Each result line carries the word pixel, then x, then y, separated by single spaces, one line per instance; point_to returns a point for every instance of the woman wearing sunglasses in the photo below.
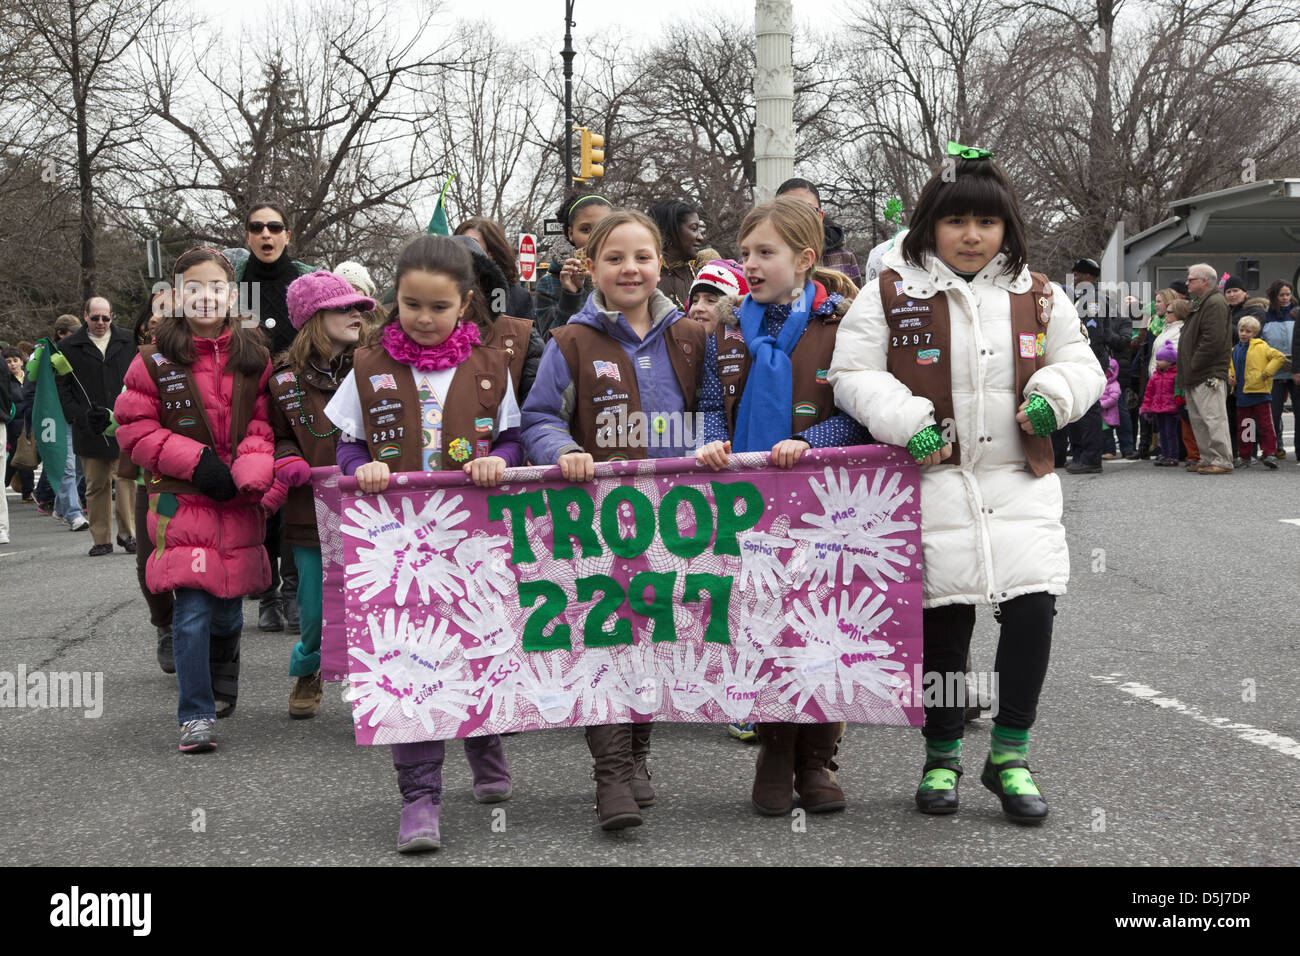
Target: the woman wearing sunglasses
pixel 264 278
pixel 266 237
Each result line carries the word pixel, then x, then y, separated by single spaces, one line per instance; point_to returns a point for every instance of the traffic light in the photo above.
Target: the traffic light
pixel 591 157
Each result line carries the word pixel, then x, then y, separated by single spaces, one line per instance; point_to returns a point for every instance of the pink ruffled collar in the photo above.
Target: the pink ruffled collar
pixel 448 353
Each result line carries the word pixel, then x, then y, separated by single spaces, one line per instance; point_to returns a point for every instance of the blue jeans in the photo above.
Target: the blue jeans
pixel 196 616
pixel 67 503
pixel 1125 428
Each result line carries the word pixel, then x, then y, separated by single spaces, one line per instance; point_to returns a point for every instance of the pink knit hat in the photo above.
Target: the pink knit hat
pixel 310 293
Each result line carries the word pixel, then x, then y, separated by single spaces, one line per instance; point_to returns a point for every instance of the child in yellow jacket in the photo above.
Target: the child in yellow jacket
pixel 1254 363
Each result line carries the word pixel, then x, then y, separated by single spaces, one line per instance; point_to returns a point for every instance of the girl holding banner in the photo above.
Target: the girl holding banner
pixel 962 355
pixel 326 313
pixel 429 397
pixel 764 389
pixel 628 353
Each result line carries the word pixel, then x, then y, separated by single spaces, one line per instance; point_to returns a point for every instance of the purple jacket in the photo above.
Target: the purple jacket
pixel 548 409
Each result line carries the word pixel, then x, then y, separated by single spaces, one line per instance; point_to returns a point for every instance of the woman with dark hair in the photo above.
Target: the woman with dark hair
pixel 970 361
pixel 563 290
pixel 492 240
pixel 679 224
pixel 268 272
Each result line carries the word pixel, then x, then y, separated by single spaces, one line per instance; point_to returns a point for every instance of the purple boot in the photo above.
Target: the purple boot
pixel 419 777
pixel 487 762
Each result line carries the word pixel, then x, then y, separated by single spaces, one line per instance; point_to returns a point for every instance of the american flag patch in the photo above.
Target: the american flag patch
pixel 898 287
pixel 284 377
pixel 385 380
pixel 605 370
pixel 159 359
pixel 643 361
pixel 731 332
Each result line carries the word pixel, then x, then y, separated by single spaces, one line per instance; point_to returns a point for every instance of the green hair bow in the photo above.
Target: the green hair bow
pixel 968 152
pixel 894 211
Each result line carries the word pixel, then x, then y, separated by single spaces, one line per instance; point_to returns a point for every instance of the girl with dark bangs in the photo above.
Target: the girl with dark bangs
pixel 962 355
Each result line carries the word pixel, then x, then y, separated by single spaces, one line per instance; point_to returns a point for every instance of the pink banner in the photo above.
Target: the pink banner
pixel 660 591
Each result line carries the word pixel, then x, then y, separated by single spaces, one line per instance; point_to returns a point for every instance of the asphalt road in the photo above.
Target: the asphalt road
pixel 1167 732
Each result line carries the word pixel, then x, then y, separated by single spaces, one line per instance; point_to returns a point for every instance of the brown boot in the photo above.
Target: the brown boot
pixel 611 749
pixel 642 792
pixel 774 772
pixel 813 766
pixel 304 699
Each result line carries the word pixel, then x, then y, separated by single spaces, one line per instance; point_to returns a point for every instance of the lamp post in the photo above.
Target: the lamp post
pixel 567 54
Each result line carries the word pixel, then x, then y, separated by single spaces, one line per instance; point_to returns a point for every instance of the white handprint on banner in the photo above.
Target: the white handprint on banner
pixel 758 628
pixel 406 551
pixel 418 669
pixel 761 562
pixel 481 560
pixel 739 685
pixel 483 616
pixel 686 677
pixel 639 684
pixel 853 530
pixel 595 678
pixel 832 639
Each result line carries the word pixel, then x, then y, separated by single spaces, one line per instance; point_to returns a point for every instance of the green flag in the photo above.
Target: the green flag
pixel 438 224
pixel 49 427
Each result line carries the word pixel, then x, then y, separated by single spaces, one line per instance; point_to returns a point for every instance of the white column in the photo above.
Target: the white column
pixel 774 93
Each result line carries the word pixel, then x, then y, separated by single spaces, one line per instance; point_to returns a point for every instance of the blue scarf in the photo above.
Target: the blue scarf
pixel 766 406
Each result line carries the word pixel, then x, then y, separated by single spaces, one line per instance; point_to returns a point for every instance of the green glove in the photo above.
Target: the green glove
pixel 60 363
pixel 1040 415
pixel 926 442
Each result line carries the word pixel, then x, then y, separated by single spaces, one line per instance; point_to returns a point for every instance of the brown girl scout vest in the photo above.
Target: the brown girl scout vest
pixel 920 352
pixel 303 407
pixel 511 335
pixel 184 414
pixel 604 381
pixel 813 398
pixel 391 415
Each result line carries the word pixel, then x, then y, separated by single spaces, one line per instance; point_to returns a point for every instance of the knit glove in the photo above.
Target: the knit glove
pixel 926 442
pixel 60 363
pixel 1040 416
pixel 97 419
pixel 289 473
pixel 213 477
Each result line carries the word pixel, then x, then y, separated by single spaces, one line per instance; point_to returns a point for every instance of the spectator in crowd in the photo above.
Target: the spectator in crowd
pixel 268 272
pixel 358 276
pixel 836 256
pixel 1085 434
pixel 1278 331
pixel 65 502
pixel 22 480
pixel 718 287
pixel 1203 358
pixel 99 353
pixel 1254 363
pixel 563 290
pixel 11 394
pixel 1159 403
pixel 1236 294
pixel 679 224
pixel 492 240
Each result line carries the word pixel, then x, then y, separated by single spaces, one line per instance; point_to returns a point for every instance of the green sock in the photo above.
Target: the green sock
pixel 940 779
pixel 1012 743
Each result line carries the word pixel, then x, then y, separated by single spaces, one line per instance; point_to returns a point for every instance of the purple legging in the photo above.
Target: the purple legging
pixel 1167 423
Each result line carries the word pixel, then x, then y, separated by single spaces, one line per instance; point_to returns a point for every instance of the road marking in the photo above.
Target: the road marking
pixel 1255 735
pixel 1289 520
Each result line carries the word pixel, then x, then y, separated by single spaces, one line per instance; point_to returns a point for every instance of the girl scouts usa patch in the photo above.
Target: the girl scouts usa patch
pixel 1028 344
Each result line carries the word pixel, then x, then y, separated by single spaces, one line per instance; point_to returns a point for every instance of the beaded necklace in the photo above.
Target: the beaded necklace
pixel 297 384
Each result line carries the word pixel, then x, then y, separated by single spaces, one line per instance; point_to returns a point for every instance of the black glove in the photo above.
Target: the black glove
pixel 213 478
pixel 98 418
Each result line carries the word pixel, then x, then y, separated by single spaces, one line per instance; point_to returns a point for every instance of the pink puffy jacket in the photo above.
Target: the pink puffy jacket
pixel 1159 398
pixel 210 545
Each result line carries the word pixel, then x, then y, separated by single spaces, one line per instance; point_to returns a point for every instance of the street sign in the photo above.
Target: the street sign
pixel 153 253
pixel 553 227
pixel 527 257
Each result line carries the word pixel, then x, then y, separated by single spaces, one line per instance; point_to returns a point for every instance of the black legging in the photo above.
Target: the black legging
pixel 1024 644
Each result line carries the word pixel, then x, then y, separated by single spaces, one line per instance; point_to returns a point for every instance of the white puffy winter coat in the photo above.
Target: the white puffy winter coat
pixel 990 529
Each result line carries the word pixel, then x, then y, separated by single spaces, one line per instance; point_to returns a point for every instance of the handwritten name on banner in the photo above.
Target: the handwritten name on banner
pixel 661 590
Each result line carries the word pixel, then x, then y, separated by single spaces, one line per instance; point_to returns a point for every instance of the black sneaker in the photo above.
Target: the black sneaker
pixel 1079 468
pixel 1269 463
pixel 126 543
pixel 270 617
